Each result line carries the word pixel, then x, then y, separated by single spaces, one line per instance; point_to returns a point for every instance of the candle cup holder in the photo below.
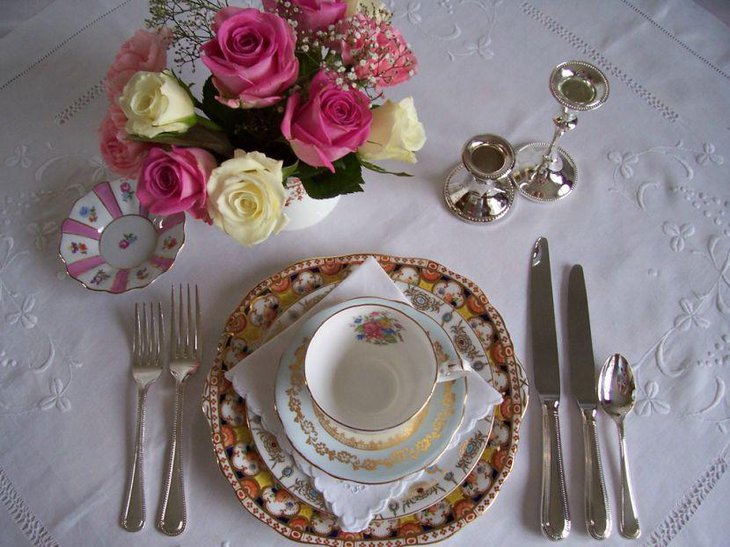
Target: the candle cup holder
pixel 544 171
pixel 481 189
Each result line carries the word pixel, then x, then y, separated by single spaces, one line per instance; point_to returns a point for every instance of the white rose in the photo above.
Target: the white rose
pixel 154 103
pixel 246 197
pixel 374 8
pixel 395 133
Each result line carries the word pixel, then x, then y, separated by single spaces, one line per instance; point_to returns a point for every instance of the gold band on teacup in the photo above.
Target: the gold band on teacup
pixel 362 443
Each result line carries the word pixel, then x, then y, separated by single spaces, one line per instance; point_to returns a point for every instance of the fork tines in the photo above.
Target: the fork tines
pixel 184 321
pixel 148 334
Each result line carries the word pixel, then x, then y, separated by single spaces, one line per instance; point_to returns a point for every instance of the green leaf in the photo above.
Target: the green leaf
pixel 323 184
pixel 290 170
pixel 378 169
pixel 309 65
pixel 215 110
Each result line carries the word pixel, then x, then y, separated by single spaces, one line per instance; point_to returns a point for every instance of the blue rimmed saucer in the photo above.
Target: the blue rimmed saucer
pixel 443 414
pixel 110 243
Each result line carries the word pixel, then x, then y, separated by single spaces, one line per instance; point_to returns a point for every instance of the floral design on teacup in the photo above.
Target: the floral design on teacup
pixel 382 528
pixel 436 514
pixel 408 275
pixel 323 523
pixel 306 282
pixel 450 292
pixel 280 503
pixel 484 330
pixel 246 461
pixel 232 409
pixel 479 480
pixel 264 310
pixel 377 328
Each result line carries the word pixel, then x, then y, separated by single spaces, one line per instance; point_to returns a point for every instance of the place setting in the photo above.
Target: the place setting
pixel 439 455
pixel 494 324
pixel 360 397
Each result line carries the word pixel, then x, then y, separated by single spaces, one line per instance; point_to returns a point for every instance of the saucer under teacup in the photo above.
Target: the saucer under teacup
pixel 367 459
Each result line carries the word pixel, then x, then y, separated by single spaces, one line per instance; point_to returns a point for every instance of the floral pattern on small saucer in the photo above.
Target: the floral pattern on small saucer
pixel 110 243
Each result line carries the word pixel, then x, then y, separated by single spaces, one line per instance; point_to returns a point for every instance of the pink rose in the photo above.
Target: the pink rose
pixel 372 330
pixel 143 51
pixel 312 14
pixel 121 155
pixel 332 122
pixel 175 181
pixel 251 57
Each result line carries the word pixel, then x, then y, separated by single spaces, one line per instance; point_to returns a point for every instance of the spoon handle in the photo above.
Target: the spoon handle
pixel 598 516
pixel 629 525
pixel 555 515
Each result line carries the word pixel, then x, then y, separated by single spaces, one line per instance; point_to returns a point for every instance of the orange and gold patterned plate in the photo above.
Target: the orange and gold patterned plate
pixel 261 314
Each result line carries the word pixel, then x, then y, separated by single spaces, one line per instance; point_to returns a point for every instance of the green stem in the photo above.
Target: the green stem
pixel 197 136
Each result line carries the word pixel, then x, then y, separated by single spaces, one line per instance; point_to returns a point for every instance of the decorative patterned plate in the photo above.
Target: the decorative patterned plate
pixel 433 434
pixel 110 243
pixel 428 285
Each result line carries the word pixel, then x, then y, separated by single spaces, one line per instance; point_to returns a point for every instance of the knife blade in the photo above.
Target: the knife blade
pixel 554 512
pixel 583 385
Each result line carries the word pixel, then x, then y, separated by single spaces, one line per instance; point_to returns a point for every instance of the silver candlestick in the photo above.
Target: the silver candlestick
pixel 544 171
pixel 481 188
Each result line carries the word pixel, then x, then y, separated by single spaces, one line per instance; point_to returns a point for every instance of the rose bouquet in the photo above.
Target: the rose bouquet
pixel 295 90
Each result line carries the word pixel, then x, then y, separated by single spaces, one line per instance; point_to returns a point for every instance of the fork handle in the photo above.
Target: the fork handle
pixel 133 512
pixel 172 514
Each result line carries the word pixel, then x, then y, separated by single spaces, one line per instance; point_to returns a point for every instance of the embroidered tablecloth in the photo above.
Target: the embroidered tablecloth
pixel 649 222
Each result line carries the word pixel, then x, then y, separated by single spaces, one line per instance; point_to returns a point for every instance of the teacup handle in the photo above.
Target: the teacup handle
pixel 450 371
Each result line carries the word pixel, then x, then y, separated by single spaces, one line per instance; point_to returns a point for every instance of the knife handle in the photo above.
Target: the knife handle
pixel 598 516
pixel 554 513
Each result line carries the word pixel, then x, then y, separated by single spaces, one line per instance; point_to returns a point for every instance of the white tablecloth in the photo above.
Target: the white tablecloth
pixel 649 221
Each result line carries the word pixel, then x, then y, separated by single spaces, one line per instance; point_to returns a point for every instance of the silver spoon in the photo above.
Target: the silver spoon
pixel 617 393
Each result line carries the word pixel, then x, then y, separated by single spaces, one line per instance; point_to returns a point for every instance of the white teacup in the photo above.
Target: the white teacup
pixel 371 370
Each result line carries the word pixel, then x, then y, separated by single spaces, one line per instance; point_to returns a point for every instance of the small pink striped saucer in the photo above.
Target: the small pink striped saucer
pixel 110 243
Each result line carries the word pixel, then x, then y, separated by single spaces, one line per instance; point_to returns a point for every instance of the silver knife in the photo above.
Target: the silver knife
pixel 554 513
pixel 583 384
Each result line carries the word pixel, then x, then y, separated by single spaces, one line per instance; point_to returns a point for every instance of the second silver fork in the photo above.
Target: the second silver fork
pixel 146 368
pixel 184 362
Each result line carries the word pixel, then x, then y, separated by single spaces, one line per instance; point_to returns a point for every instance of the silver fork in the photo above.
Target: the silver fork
pixel 184 362
pixel 146 368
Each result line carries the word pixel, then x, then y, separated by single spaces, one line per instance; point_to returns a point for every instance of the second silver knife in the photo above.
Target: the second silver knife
pixel 583 384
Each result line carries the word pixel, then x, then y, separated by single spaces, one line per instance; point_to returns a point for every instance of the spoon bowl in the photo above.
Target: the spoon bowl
pixel 616 387
pixel 617 395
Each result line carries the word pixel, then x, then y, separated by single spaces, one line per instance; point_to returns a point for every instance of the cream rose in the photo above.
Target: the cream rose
pixel 246 197
pixel 395 133
pixel 154 103
pixel 368 7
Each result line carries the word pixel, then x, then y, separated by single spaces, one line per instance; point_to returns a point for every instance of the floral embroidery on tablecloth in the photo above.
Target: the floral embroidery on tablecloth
pixel 705 240
pixel 38 380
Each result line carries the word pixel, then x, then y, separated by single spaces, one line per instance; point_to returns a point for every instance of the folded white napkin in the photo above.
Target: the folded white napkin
pixel 354 504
